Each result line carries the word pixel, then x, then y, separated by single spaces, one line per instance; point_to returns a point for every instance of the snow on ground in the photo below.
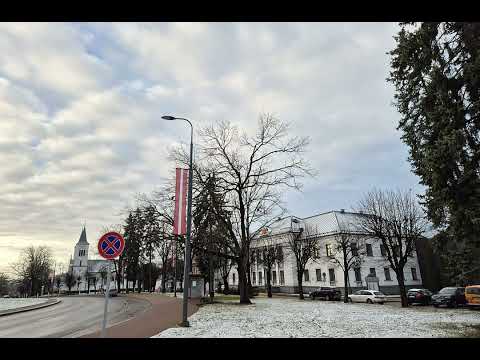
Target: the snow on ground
pixel 14 303
pixel 295 318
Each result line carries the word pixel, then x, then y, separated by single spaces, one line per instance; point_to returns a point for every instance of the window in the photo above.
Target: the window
pixel 280 254
pixel 274 277
pixel 382 250
pixel 353 246
pixel 387 274
pixel 233 278
pixel 80 262
pixel 331 274
pixel 259 278
pixel 328 247
pixel 254 278
pixel 373 272
pixel 306 276
pixel 282 277
pixel 318 272
pixel 358 274
pixel 369 250
pixel 414 274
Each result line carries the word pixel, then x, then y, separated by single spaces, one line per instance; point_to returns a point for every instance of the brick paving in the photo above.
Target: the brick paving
pixel 165 312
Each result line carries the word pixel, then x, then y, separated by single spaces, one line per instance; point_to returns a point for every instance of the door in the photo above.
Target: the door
pixel 373 285
pixel 356 296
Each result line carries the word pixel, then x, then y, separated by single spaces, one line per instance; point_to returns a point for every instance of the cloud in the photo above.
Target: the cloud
pixel 80 109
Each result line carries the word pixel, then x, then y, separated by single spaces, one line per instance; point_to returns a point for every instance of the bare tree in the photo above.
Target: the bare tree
pixel 103 274
pixel 268 254
pixel 252 171
pixel 4 284
pixel 69 281
pixel 94 282
pixel 34 267
pixel 58 282
pixel 303 245
pixel 395 219
pixel 348 251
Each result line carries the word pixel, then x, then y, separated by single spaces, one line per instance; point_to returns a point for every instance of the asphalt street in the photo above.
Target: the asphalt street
pixel 74 316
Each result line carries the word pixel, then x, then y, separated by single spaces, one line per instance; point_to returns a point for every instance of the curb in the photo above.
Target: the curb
pixel 29 308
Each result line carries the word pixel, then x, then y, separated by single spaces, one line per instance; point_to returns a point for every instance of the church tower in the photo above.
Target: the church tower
pixel 80 255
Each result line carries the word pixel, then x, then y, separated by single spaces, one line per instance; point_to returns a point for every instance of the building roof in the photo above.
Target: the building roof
pixel 83 237
pixel 331 222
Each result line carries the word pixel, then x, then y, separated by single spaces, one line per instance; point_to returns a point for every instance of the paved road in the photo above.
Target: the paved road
pixel 73 317
pixel 164 312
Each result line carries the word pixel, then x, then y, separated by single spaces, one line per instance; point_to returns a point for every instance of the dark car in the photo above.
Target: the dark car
pixel 450 297
pixel 419 296
pixel 326 293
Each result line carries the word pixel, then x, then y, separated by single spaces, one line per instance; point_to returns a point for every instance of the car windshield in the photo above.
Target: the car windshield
pixel 447 291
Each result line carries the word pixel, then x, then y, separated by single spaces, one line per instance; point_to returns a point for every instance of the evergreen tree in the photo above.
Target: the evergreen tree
pixel 435 71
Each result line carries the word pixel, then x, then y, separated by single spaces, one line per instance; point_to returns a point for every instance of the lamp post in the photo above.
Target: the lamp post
pixel 186 268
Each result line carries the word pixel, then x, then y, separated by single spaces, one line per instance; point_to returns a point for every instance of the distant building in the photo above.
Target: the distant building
pixel 80 264
pixel 323 272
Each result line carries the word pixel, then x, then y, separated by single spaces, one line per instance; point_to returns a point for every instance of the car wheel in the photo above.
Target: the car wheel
pixel 369 301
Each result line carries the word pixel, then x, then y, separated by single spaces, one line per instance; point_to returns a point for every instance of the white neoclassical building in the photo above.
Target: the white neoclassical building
pixel 323 271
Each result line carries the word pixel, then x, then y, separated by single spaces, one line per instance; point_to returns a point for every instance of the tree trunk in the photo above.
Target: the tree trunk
pixel 269 283
pixel 226 289
pixel 345 275
pixel 243 284
pixel 300 284
pixel 164 277
pixel 345 281
pixel 403 291
pixel 150 273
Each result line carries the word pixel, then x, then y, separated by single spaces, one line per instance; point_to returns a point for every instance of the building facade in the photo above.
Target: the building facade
pixel 373 272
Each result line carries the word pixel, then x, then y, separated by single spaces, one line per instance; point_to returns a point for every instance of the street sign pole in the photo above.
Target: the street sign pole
pixel 105 310
pixel 110 246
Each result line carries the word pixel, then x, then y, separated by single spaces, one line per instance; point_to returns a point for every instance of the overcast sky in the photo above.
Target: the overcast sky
pixel 80 108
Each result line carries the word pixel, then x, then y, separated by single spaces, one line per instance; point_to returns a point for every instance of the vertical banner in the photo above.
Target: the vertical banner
pixel 180 213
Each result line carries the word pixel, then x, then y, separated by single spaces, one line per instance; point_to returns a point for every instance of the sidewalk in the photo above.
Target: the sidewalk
pixel 165 312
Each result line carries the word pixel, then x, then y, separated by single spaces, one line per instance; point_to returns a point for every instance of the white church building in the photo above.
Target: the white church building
pixel 80 264
pixel 323 271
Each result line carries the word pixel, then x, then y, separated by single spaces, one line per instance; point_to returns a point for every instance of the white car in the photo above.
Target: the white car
pixel 367 296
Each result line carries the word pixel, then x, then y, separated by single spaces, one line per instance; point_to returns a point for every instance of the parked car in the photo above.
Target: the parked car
pixel 450 297
pixel 472 295
pixel 6 296
pixel 113 293
pixel 328 293
pixel 419 296
pixel 367 296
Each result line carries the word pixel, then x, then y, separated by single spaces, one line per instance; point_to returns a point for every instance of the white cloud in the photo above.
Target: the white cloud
pixel 80 109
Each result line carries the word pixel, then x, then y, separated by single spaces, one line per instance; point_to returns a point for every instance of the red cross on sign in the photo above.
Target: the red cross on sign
pixel 111 245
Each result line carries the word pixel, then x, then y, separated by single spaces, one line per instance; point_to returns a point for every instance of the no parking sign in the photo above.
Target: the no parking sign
pixel 110 246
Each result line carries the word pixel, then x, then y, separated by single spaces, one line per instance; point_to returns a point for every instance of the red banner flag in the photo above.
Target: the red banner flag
pixel 179 215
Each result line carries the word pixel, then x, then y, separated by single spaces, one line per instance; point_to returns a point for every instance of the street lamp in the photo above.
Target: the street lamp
pixel 186 270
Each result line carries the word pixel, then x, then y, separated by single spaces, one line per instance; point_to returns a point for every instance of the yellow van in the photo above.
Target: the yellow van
pixel 472 295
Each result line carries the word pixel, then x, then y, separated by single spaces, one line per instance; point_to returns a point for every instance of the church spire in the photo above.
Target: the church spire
pixel 83 237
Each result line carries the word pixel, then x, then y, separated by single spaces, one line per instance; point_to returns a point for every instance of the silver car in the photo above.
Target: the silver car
pixel 367 296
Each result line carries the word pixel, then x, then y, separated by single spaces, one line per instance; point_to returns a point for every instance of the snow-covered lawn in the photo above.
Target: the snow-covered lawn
pixel 294 318
pixel 14 303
